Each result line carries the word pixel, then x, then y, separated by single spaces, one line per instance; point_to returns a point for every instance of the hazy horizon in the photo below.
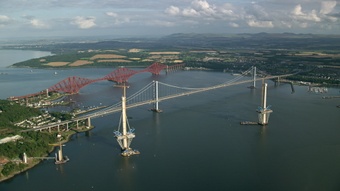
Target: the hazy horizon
pixel 65 18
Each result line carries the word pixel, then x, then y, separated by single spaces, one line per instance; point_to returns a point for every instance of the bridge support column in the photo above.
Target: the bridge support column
pixel 88 122
pixel 66 126
pixel 278 80
pixel 125 137
pixel 254 76
pixel 156 108
pixel 264 111
pixel 24 158
pixel 77 124
pixel 58 128
pixel 46 92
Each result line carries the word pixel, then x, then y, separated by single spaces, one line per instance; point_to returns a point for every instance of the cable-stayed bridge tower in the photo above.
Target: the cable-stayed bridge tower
pixel 264 111
pixel 125 137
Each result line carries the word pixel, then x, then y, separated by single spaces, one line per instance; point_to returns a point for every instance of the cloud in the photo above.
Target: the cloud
pixel 261 24
pixel 84 22
pixel 227 9
pixel 161 23
pixel 297 11
pixel 234 25
pixel 111 14
pixel 4 20
pixel 203 7
pixel 197 8
pixel 172 10
pixel 327 7
pixel 299 15
pixel 118 19
pixel 34 22
pixel 258 12
pixel 115 16
pixel 190 13
pixel 38 24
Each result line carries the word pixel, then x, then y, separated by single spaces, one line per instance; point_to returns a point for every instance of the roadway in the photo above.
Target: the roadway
pixel 111 109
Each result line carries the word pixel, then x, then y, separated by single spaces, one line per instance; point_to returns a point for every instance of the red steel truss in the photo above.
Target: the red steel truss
pixel 73 84
pixel 120 75
pixel 155 68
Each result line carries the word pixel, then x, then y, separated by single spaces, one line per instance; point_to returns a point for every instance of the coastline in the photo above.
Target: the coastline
pixel 35 162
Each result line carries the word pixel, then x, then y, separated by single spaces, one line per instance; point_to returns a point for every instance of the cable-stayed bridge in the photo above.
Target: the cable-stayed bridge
pixel 155 92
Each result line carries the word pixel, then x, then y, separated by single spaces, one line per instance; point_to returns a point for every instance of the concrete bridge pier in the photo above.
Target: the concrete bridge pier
pixel 156 106
pixel 88 122
pixel 264 111
pixel 278 80
pixel 254 77
pixel 125 137
pixel 24 158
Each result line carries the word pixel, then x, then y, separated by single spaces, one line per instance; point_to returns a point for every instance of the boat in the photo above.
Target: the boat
pixel 248 123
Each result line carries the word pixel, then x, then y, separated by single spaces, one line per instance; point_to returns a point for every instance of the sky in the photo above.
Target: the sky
pixel 44 18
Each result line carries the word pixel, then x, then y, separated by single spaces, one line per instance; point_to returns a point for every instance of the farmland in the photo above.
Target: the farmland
pixel 315 57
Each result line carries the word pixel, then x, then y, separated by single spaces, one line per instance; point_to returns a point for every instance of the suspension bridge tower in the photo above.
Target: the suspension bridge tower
pixel 125 137
pixel 155 97
pixel 264 111
pixel 254 77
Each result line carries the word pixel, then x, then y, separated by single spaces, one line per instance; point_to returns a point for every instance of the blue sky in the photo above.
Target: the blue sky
pixel 42 18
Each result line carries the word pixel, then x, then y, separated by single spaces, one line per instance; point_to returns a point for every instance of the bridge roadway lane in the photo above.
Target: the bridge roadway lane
pixel 109 110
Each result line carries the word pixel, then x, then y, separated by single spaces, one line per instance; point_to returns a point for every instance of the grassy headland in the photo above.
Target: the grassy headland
pixel 315 57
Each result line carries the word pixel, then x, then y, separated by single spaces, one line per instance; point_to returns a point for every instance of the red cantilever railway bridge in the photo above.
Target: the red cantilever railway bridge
pixel 73 84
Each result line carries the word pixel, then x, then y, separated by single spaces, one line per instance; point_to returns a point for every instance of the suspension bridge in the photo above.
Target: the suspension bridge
pixel 156 92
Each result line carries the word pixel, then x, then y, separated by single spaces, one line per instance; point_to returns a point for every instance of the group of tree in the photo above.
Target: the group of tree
pixel 12 167
pixel 11 112
pixel 34 144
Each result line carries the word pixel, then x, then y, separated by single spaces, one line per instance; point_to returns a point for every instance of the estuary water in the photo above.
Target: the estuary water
pixel 196 143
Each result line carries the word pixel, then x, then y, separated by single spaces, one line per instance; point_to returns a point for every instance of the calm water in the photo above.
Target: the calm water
pixel 197 143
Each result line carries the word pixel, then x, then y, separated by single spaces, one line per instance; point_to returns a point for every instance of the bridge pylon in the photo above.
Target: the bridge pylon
pixel 125 137
pixel 253 68
pixel 59 157
pixel 24 158
pixel 155 97
pixel 264 111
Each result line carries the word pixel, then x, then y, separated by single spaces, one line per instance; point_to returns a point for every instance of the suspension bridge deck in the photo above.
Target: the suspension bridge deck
pixel 138 99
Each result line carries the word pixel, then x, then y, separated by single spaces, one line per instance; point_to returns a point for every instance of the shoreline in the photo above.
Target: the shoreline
pixel 35 162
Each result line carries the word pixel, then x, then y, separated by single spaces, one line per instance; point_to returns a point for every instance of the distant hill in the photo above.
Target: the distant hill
pixel 197 41
pixel 248 40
